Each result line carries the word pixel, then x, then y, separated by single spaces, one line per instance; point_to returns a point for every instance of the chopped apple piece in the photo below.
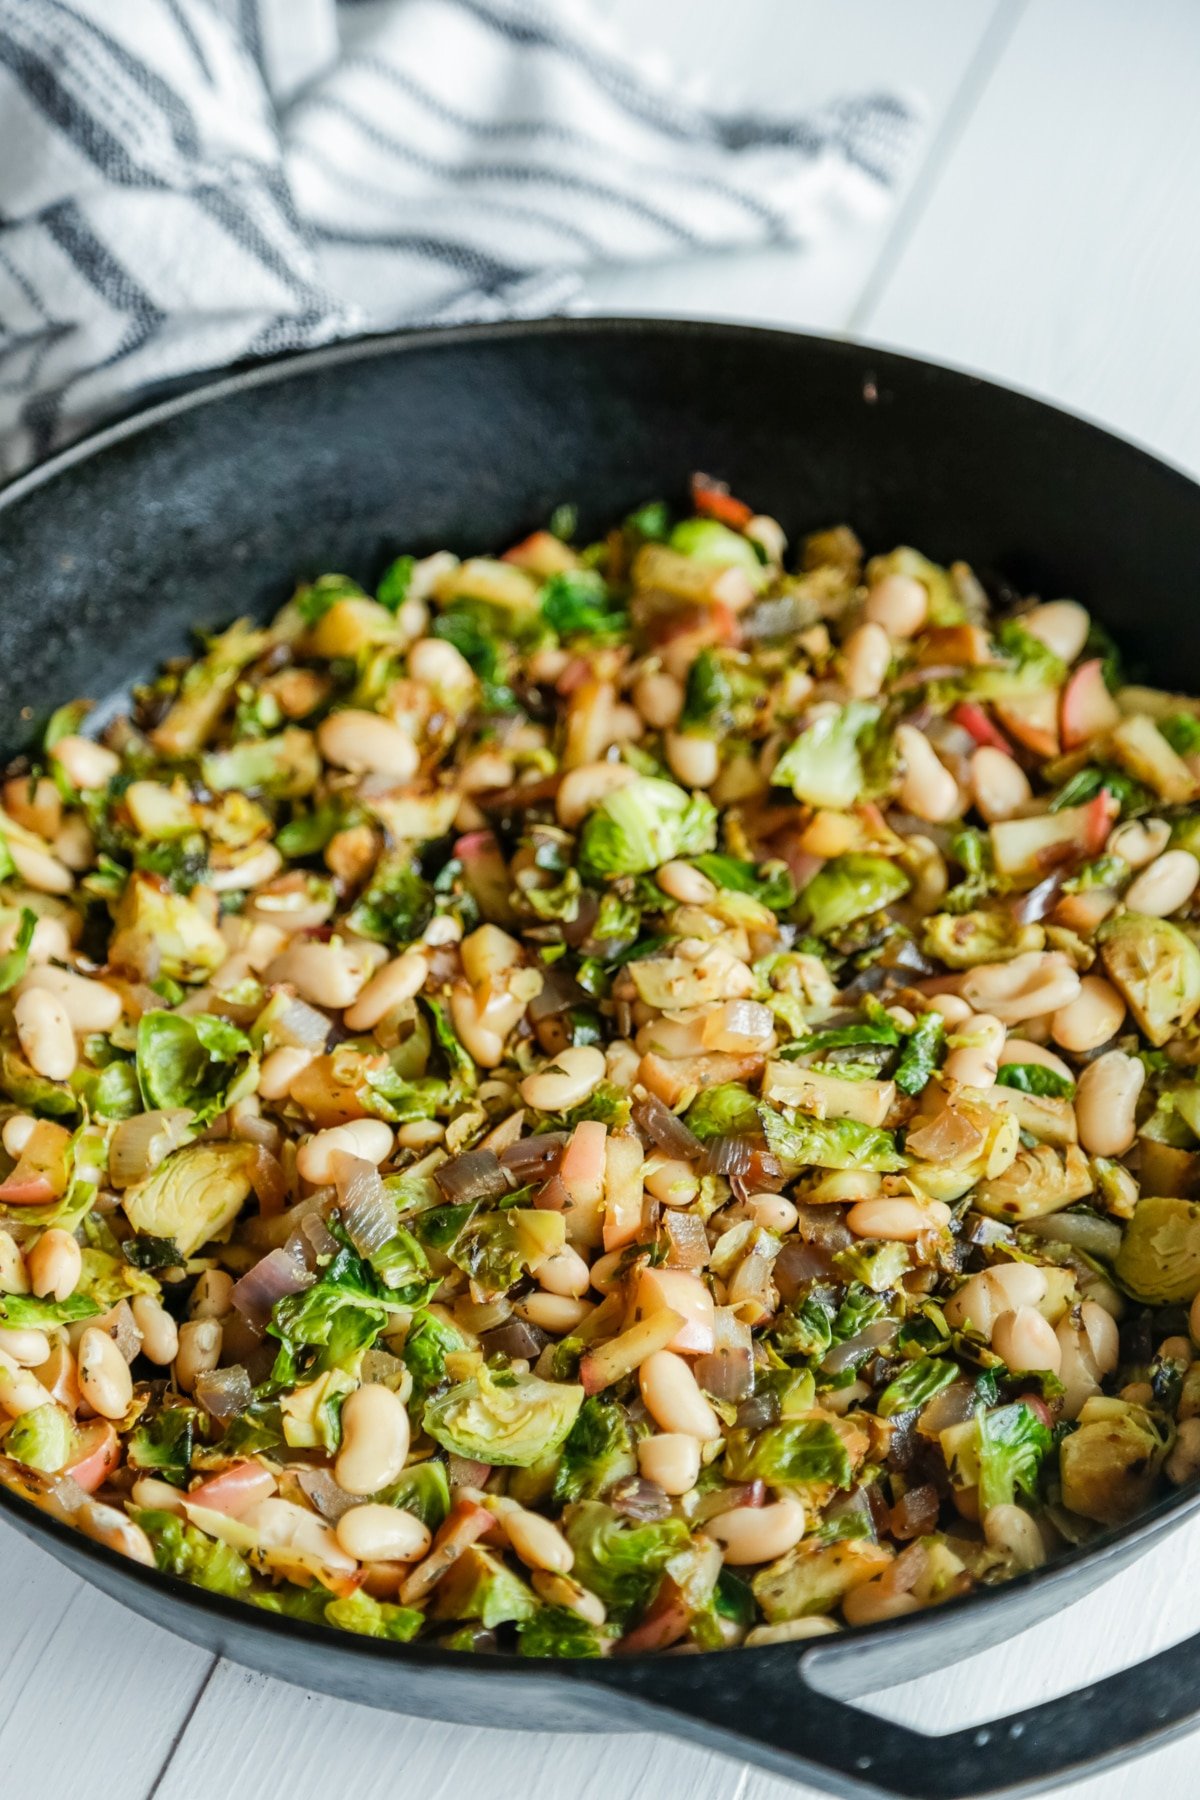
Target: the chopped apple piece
pixel 1140 747
pixel 679 1291
pixel 1087 706
pixel 1032 719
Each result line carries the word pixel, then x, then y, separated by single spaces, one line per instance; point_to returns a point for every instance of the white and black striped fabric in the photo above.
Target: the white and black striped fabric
pixel 186 184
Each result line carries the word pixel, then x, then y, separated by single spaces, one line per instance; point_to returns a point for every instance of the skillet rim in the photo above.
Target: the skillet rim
pixel 1169 1512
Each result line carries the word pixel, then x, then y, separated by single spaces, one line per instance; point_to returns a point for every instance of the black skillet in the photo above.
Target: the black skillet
pixel 214 504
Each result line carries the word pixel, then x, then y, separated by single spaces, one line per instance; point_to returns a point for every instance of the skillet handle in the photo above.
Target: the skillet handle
pixel 776 1716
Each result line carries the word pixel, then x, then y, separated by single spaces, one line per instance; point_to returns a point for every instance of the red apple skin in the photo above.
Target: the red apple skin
pixel 1087 706
pixel 26 1190
pixel 97 1456
pixel 971 716
pixel 1102 815
pixel 235 1490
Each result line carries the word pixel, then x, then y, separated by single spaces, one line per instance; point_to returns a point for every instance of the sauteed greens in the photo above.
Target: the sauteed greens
pixel 636 1094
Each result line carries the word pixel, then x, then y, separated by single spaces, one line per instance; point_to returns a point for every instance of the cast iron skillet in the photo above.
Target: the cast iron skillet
pixel 216 503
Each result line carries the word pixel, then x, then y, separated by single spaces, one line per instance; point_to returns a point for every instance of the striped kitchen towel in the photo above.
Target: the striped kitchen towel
pixel 187 184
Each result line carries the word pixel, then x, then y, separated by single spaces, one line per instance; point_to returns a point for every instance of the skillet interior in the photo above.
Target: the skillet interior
pixel 215 504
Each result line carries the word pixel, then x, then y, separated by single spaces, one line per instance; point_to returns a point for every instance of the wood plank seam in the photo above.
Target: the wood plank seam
pixel 1003 23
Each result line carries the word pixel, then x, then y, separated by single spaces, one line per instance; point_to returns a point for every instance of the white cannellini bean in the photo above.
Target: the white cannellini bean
pixel 160 1334
pixel 1164 885
pixel 772 1211
pixel 45 1034
pixel 672 1458
pixel 558 1314
pixel 1094 1016
pixel 695 760
pixel 104 1378
pixel 757 1534
pixel 370 1140
pixel 927 790
pixel 38 869
pixel 1014 1533
pixel 85 763
pixel 24 1345
pixel 74 845
pixel 1062 625
pixel 14 1276
pixel 673 1397
pixel 88 1003
pixel 567 1081
pixel 564 1590
pixel 985 1297
pixel 975 1064
pixel 199 1351
pixel 105 1525
pixel 55 1264
pixel 537 1541
pixel 670 1180
pixel 367 743
pixel 900 603
pixel 866 655
pixel 282 1525
pixel 659 698
pixel 157 1496
pixel 379 1533
pixel 280 1069
pixel 1022 1050
pixel 439 665
pixel 1026 1340
pixel 563 1273
pixel 902 1221
pixel 375 1439
pixel 683 883
pixel 952 1007
pixel 212 1296
pixel 1106 1103
pixel 243 877
pixel 999 785
pixel 582 789
pixel 1139 841
pixel 331 975
pixel 17 1132
pixel 1030 985
pixel 397 981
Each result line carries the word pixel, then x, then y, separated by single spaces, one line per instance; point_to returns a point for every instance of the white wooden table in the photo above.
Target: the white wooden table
pixel 1047 238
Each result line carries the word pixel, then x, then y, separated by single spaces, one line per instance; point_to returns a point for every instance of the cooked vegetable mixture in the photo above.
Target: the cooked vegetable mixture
pixel 625 1097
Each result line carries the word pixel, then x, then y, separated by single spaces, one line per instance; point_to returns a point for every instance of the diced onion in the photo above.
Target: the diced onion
pixel 1098 1237
pixel 301 1027
pixel 224 1393
pixel 532 1157
pixel 475 1175
pixel 140 1144
pixel 271 1279
pixel 365 1207
pixel 657 1124
pixel 330 1500
pixel 871 1337
pixel 728 1156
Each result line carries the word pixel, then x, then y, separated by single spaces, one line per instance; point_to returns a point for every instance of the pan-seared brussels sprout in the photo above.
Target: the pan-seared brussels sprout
pixel 1110 1464
pixel 850 887
pixel 964 940
pixel 1156 967
pixel 194 1195
pixel 511 1419
pixel 1159 1258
